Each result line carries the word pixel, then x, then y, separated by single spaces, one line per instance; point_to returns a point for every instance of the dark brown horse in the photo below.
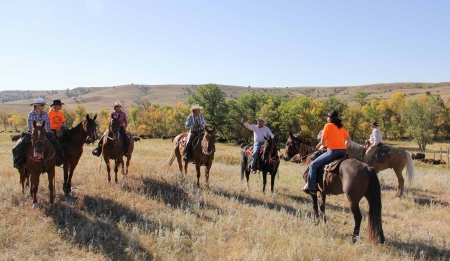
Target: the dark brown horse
pixel 394 158
pixel 112 148
pixel 268 161
pixel 72 145
pixel 356 180
pixel 40 158
pixel 203 152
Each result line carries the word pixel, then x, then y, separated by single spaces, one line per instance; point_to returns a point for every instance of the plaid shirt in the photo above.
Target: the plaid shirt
pixel 39 119
pixel 192 120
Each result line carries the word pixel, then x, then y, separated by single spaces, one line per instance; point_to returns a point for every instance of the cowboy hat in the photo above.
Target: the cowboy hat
pixel 332 114
pixel 196 107
pixel 39 101
pixel 375 124
pixel 117 104
pixel 261 119
pixel 56 102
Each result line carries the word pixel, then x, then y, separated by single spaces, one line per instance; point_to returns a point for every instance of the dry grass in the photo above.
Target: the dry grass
pixel 157 214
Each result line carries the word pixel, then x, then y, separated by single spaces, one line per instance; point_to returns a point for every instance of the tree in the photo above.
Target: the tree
pixel 16 119
pixel 70 117
pixel 4 118
pixel 80 113
pixel 213 101
pixel 360 97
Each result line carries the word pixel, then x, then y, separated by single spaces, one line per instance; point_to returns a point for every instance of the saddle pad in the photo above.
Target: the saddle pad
pixel 183 141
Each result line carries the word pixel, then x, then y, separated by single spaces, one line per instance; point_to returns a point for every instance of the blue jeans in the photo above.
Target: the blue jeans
pixel 317 163
pixel 256 148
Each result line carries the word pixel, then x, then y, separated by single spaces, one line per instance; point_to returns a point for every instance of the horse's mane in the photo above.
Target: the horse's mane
pixel 306 146
pixel 355 149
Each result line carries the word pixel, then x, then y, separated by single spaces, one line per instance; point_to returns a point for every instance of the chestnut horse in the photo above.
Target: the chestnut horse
pixel 353 178
pixel 112 148
pixel 395 159
pixel 268 161
pixel 72 145
pixel 40 158
pixel 203 152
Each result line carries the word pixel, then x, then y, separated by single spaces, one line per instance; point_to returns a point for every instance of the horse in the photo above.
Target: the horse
pixel 396 158
pixel 72 145
pixel 268 161
pixel 393 158
pixel 112 149
pixel 40 158
pixel 203 152
pixel 348 176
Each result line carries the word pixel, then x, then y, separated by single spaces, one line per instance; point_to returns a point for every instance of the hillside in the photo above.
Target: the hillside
pixel 96 98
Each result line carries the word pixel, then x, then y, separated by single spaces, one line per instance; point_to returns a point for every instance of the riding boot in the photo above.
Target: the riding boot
pixel 59 152
pixel 126 142
pixel 98 151
pixel 20 149
pixel 187 149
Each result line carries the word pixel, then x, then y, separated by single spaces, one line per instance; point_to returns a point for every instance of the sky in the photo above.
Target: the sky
pixel 55 45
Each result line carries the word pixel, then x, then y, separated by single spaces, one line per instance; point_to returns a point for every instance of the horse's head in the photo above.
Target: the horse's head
pixel 38 139
pixel 208 141
pixel 297 145
pixel 269 149
pixel 114 125
pixel 90 127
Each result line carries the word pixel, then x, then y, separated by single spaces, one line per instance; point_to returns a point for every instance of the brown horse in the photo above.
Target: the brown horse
pixel 112 149
pixel 268 161
pixel 72 145
pixel 40 158
pixel 395 158
pixel 203 152
pixel 353 178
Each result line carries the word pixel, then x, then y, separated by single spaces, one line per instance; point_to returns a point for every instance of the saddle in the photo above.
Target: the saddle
pixel 328 171
pixel 380 152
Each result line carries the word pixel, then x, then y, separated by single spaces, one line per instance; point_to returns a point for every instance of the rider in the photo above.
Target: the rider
pixel 57 119
pixel 39 115
pixel 123 125
pixel 259 133
pixel 195 122
pixel 375 137
pixel 335 137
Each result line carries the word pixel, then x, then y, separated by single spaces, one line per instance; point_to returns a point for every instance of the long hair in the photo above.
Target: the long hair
pixel 337 122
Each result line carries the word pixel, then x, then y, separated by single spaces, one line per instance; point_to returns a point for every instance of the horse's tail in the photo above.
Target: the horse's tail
pixel 409 168
pixel 375 228
pixel 175 142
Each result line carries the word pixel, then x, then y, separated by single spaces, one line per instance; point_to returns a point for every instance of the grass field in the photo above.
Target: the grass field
pixel 159 214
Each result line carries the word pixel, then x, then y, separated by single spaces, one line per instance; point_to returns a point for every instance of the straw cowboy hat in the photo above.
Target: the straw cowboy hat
pixel 196 107
pixel 261 119
pixel 375 124
pixel 117 104
pixel 56 102
pixel 39 101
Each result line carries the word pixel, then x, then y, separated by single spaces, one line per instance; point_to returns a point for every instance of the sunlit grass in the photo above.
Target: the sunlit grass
pixel 157 213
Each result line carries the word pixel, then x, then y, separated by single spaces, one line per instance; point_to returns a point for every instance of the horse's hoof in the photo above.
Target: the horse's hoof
pixel 35 205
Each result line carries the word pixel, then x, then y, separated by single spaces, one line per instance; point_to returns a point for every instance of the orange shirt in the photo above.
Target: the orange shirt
pixel 56 119
pixel 335 136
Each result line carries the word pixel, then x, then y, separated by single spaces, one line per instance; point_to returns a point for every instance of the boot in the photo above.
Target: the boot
pixel 98 151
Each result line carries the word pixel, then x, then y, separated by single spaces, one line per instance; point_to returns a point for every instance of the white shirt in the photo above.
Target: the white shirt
pixel 375 137
pixel 259 133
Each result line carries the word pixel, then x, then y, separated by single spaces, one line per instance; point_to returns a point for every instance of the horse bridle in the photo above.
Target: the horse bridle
pixel 271 159
pixel 205 148
pixel 297 150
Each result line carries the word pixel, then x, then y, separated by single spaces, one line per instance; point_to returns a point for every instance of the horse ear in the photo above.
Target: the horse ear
pixel 87 117
pixel 43 124
pixel 290 135
pixel 214 128
pixel 34 123
pixel 95 117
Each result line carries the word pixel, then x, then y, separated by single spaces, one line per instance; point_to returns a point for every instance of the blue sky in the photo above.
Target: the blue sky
pixel 66 44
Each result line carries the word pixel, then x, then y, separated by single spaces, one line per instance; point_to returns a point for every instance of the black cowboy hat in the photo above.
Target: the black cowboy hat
pixel 56 102
pixel 375 124
pixel 333 114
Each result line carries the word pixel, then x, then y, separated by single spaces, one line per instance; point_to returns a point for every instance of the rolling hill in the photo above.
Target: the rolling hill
pixel 96 98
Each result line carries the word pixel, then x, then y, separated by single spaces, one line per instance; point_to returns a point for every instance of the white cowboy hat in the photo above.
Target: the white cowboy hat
pixel 261 119
pixel 39 101
pixel 196 107
pixel 117 104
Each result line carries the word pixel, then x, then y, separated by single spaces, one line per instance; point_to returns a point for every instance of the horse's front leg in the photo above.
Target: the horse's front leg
pixel 71 171
pixel 108 169
pixel 315 205
pixel 51 178
pixel 354 206
pixel 116 169
pixel 23 178
pixel 34 188
pixel 197 168
pixel 128 163
pixel 264 174
pixel 272 180
pixel 207 168
pixel 323 198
